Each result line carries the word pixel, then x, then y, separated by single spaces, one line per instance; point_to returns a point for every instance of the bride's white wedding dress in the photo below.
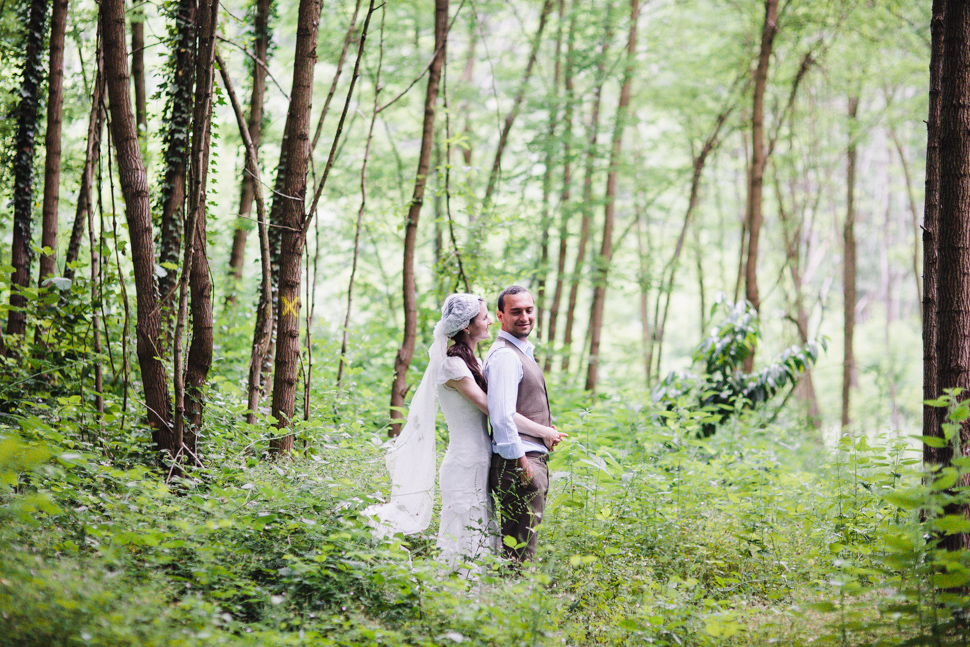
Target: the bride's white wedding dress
pixel 467 529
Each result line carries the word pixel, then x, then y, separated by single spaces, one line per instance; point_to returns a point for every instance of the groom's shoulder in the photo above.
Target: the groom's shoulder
pixel 499 345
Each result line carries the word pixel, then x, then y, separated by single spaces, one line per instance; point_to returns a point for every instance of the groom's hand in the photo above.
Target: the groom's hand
pixel 525 470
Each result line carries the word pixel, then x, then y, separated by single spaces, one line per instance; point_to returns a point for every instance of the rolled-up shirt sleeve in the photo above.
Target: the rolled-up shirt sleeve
pixel 503 372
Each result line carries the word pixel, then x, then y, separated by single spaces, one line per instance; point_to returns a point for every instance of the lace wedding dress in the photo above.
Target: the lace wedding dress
pixel 467 528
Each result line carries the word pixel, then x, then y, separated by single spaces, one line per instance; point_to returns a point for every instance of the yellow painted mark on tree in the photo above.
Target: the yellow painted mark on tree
pixel 289 307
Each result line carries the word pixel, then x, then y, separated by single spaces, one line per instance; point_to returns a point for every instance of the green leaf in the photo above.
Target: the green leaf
pixel 950 580
pixel 933 441
pixel 952 524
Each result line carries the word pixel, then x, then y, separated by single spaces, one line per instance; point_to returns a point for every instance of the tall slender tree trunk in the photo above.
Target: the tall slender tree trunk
pixel 587 206
pixel 92 152
pixel 23 172
pixel 602 266
pixel 262 335
pixel 138 68
pixel 932 418
pixel 237 256
pixel 134 188
pixel 670 271
pixel 549 161
pixel 805 388
pixel 404 354
pixel 297 161
pixel 953 222
pixel 176 142
pixel 849 264
pixel 52 141
pixel 759 160
pixel 564 196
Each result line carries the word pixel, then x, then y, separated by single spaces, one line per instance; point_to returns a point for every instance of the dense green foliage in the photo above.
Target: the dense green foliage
pixel 653 535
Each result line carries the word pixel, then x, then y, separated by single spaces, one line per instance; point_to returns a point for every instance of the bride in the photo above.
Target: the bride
pixel 454 378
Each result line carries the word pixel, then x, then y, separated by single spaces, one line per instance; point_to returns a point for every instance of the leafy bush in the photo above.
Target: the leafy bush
pixel 722 388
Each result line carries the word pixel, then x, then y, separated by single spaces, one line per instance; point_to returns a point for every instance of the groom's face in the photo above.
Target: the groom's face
pixel 519 316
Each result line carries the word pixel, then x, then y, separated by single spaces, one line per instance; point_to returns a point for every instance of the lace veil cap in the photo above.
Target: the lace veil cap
pixel 411 457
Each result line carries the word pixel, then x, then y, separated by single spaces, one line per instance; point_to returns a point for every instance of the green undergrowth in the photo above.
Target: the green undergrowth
pixel 654 535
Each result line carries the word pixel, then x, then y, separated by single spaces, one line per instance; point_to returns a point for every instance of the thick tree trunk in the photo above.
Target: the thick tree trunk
pixel 932 416
pixel 255 126
pixel 134 188
pixel 602 266
pixel 297 160
pixel 759 159
pixel 406 351
pixel 138 68
pixel 177 137
pixel 953 220
pixel 195 267
pixel 92 152
pixel 564 196
pixel 23 172
pixel 849 265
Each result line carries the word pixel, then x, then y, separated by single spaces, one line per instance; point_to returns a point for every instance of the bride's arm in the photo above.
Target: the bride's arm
pixel 474 394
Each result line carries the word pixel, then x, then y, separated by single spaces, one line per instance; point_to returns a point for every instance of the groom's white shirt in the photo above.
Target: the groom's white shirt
pixel 503 372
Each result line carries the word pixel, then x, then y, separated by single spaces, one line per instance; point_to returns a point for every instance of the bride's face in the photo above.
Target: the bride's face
pixel 478 328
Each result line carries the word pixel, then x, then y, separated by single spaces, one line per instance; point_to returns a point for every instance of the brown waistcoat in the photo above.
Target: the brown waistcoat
pixel 533 399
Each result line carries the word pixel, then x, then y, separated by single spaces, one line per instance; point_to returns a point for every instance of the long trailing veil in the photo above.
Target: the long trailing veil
pixel 411 457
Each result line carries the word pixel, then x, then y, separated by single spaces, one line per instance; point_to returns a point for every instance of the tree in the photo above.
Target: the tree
pixel 178 120
pixel 953 224
pixel 262 32
pixel 602 266
pixel 134 188
pixel 297 159
pixel 23 171
pixel 52 143
pixel 849 263
pixel 759 159
pixel 932 419
pixel 406 351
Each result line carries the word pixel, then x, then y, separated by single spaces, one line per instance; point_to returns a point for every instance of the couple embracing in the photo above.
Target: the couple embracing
pixel 493 487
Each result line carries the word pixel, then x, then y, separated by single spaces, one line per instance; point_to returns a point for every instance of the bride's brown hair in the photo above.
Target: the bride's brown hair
pixel 461 349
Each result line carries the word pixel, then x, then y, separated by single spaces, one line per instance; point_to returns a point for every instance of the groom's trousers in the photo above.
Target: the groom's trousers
pixel 519 505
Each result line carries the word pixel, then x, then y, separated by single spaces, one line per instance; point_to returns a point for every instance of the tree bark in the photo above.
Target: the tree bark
pixel 177 137
pixel 953 221
pixel 138 68
pixel 134 188
pixel 296 153
pixel 23 173
pixel 247 193
pixel 932 416
pixel 92 152
pixel 52 162
pixel 759 159
pixel 406 351
pixel 602 266
pixel 195 267
pixel 849 265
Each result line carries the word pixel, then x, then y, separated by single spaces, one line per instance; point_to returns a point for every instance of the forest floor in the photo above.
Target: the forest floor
pixel 755 536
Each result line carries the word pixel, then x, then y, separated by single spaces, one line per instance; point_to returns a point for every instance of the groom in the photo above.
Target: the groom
pixel 519 476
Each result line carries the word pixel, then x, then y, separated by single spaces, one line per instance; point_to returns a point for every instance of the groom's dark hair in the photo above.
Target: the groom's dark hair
pixel 512 289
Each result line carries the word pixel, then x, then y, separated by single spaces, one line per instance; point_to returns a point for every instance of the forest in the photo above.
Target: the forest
pixel 227 231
